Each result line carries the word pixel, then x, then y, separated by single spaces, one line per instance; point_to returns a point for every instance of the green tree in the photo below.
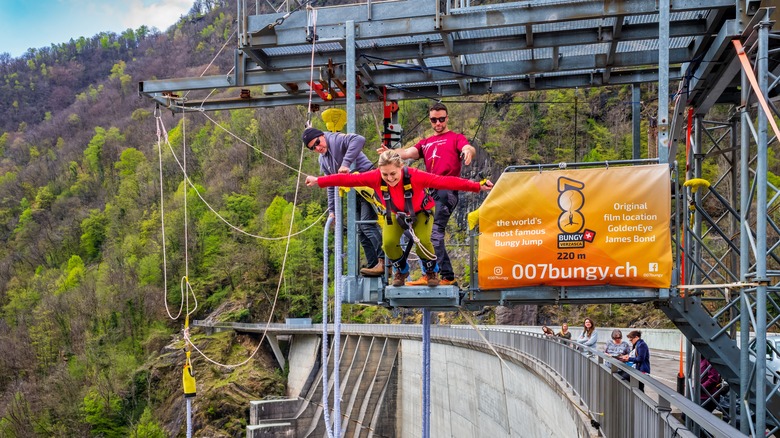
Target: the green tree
pixel 242 208
pixel 93 233
pixel 103 415
pixel 118 74
pixel 147 427
pixel 74 273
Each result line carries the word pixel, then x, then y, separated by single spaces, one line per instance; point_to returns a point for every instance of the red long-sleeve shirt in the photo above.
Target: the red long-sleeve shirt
pixel 420 180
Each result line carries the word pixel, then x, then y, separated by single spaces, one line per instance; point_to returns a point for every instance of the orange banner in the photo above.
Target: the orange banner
pixel 577 228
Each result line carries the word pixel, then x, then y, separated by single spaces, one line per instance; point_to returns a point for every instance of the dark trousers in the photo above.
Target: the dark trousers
pixel 446 201
pixel 369 234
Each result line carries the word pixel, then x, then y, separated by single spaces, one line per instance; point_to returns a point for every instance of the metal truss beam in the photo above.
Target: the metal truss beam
pixel 517 46
pixel 408 18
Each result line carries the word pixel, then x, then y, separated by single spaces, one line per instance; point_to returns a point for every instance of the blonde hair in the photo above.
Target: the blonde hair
pixel 390 157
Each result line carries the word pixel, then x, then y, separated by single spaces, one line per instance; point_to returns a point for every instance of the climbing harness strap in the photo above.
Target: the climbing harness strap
pixel 406 217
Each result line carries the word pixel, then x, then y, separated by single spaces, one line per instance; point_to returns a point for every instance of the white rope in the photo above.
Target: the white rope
pixel 186 288
pixel 221 218
pixel 278 287
pixel 272 158
pixel 162 218
pixel 428 255
pixel 313 24
pixel 186 236
pixel 254 147
pixel 185 280
pixel 335 429
pixel 189 417
pixel 324 352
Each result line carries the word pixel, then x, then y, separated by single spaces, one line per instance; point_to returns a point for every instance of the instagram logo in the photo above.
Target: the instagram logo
pixel 652 267
pixel 498 270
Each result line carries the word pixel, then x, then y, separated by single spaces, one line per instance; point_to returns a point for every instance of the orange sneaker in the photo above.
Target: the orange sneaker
pixel 445 282
pixel 422 281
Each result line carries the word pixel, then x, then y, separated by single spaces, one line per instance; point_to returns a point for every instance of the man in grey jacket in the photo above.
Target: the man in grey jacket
pixel 337 153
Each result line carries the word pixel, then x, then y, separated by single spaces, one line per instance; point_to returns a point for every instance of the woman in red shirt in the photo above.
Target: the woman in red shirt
pixel 388 178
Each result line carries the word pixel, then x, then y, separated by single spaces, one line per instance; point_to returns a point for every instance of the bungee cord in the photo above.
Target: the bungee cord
pixel 160 130
pixel 324 353
pixel 187 289
pixel 185 279
pixel 222 218
pixel 276 295
pixel 270 157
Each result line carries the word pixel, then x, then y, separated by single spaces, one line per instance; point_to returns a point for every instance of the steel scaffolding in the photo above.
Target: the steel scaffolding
pixel 725 201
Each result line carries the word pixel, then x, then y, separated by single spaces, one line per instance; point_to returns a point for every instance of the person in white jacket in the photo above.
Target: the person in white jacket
pixel 589 336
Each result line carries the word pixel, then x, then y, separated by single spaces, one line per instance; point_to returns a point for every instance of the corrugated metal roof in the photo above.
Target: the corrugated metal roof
pixel 584 50
pixel 389 40
pixel 528 4
pixel 574 25
pixel 496 32
pixel 306 48
pixel 645 45
pixel 674 16
pixel 398 41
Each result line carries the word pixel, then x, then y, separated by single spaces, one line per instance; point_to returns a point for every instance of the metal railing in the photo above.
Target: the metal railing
pixel 618 405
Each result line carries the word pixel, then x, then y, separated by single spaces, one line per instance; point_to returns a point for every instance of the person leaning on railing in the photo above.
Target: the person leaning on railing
pixel 564 332
pixel 639 357
pixel 589 336
pixel 618 347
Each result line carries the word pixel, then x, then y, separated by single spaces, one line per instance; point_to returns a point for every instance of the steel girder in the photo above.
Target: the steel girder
pixel 414 49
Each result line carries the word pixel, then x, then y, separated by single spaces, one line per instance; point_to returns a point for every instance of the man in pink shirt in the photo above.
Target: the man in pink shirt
pixel 442 153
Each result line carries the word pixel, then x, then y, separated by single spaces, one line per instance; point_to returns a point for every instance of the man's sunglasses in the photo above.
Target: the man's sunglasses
pixel 316 143
pixel 438 119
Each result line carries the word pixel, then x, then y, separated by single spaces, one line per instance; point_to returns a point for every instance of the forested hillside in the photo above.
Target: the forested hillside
pixel 89 347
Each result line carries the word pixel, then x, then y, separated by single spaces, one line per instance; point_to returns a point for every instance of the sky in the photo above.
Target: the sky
pixel 40 23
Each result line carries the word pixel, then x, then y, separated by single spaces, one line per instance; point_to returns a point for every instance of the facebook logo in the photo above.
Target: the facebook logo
pixel 652 267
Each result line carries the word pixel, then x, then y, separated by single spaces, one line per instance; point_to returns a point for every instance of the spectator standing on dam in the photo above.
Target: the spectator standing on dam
pixel 618 347
pixel 710 383
pixel 564 332
pixel 589 337
pixel 639 356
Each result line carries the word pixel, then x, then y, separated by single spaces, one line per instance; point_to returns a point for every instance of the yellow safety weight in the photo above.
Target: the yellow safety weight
pixel 188 379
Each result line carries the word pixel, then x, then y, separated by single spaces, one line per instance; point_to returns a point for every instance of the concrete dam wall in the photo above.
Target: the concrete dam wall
pixel 472 393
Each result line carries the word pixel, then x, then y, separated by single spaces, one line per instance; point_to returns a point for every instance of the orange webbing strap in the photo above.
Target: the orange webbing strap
pixel 743 58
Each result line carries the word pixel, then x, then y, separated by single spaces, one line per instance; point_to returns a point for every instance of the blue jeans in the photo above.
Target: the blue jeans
pixel 446 201
pixel 369 234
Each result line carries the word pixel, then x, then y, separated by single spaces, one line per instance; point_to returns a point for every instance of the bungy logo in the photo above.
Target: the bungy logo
pixel 571 221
